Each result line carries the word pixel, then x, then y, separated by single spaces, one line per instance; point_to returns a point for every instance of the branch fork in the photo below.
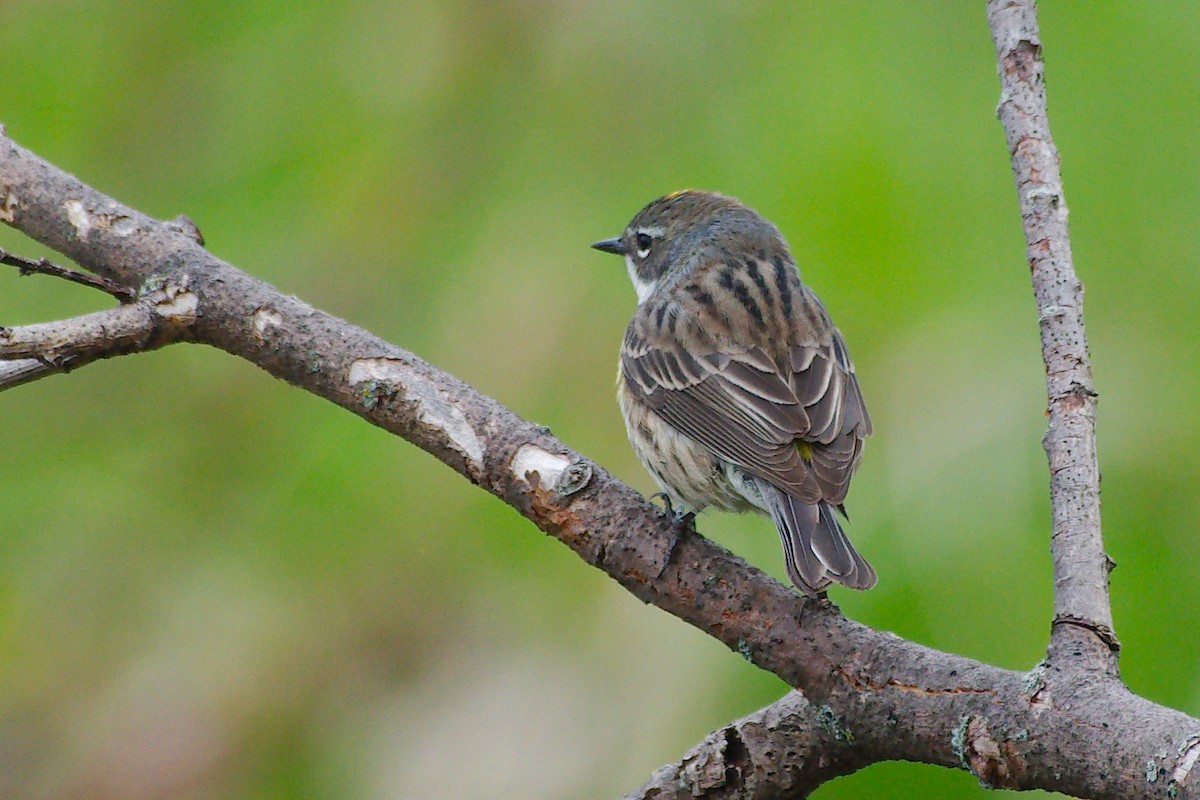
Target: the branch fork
pixel 144 321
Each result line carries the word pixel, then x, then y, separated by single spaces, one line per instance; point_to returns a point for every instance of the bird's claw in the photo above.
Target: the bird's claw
pixel 686 519
pixel 682 523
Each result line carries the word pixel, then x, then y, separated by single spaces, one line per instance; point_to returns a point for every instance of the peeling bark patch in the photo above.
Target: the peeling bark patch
pixel 392 376
pixel 179 306
pixel 575 479
pixel 1050 193
pixel 265 318
pixel 532 460
pixel 706 766
pixel 79 218
pixel 1189 753
pixel 84 221
pixel 8 207
pixel 996 763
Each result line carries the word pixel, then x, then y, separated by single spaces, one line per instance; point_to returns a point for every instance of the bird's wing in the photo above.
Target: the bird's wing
pixel 798 425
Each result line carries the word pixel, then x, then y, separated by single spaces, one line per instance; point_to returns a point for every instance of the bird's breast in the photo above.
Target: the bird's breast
pixel 687 471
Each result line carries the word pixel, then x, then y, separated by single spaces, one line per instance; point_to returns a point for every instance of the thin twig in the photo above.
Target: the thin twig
pixel 1081 606
pixel 40 266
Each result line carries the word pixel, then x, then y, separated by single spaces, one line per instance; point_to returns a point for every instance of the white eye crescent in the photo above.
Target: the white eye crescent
pixel 643 244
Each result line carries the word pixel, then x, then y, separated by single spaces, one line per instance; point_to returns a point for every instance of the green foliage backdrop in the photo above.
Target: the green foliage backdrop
pixel 213 585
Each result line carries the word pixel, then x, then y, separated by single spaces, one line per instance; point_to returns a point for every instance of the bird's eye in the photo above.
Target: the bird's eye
pixel 643 244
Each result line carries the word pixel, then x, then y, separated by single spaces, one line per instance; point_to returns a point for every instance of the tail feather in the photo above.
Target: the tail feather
pixel 815 548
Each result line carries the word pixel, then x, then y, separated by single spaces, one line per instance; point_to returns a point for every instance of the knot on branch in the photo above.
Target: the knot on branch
pixel 176 306
pixel 724 764
pixel 184 224
pixel 997 763
pixel 555 475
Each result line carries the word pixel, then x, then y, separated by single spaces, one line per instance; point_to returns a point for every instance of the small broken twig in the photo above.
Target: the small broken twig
pixel 40 266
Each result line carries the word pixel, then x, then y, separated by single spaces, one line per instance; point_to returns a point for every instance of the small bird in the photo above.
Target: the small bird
pixel 736 388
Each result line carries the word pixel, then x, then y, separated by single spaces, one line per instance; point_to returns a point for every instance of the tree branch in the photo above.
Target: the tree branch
pixel 896 699
pixel 40 266
pixel 26 370
pixel 157 318
pixel 782 751
pixel 1082 614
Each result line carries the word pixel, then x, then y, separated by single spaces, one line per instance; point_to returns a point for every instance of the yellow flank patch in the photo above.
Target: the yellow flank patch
pixel 805 450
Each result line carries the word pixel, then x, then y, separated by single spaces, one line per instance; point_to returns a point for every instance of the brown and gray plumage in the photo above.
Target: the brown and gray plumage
pixel 736 388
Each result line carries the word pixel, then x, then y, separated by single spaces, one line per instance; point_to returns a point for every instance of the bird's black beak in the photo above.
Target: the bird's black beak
pixel 615 245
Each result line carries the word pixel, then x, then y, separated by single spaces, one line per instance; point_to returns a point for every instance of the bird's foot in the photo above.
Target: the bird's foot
pixel 814 603
pixel 681 518
pixel 682 524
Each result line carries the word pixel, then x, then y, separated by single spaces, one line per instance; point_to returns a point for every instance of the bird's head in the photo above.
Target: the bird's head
pixel 683 230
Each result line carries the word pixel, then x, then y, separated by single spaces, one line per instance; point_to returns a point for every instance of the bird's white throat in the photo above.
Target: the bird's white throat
pixel 643 288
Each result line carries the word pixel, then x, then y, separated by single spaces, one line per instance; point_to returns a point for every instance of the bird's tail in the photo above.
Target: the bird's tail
pixel 815 549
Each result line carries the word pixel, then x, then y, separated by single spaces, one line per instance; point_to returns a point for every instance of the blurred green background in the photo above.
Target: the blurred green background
pixel 214 585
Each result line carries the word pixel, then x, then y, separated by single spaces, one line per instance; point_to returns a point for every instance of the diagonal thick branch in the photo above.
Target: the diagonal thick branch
pixel 890 698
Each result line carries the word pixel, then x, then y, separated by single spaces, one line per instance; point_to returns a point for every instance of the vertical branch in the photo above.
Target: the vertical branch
pixel 1081 606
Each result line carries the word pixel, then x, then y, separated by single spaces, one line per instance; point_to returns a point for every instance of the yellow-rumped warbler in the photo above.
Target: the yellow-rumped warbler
pixel 736 388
